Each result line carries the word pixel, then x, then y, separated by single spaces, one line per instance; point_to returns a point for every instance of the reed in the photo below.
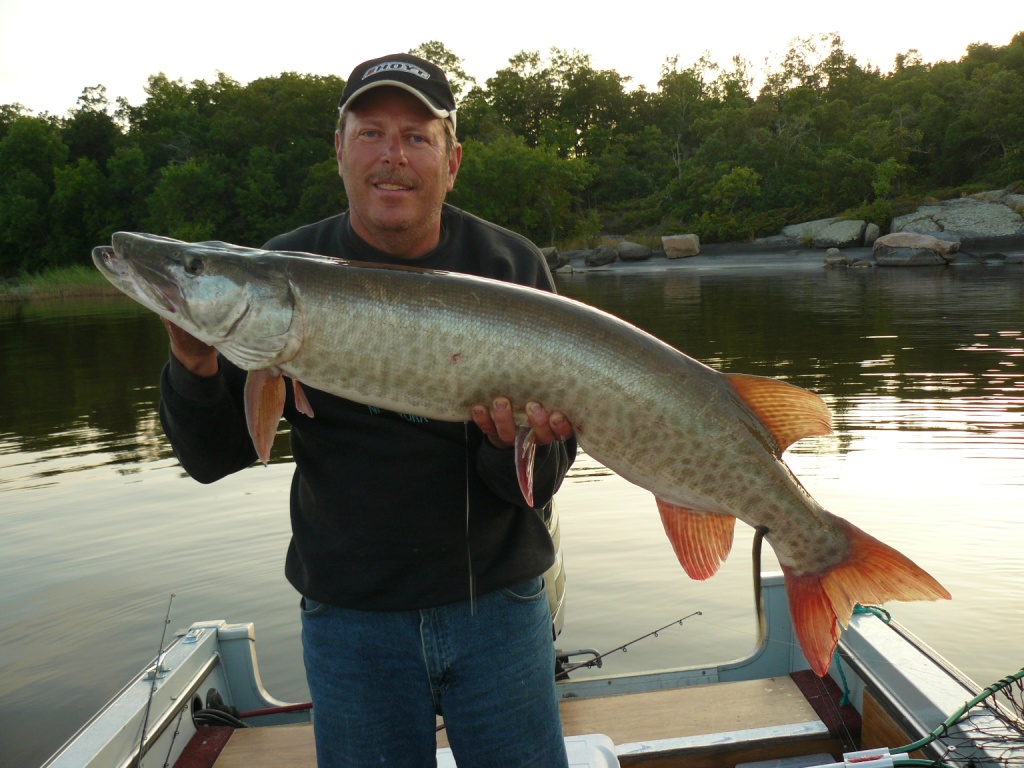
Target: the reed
pixel 56 282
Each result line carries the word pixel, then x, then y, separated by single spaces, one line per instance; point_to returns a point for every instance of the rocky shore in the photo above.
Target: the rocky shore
pixel 983 228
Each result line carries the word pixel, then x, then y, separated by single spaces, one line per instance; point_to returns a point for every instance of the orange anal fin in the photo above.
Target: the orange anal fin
pixel 789 412
pixel 872 573
pixel 264 404
pixel 526 452
pixel 301 403
pixel 701 540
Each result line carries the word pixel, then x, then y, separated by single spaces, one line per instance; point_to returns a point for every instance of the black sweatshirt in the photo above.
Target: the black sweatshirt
pixel 389 511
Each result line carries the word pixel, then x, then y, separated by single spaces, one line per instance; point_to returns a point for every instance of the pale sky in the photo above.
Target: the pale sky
pixel 51 51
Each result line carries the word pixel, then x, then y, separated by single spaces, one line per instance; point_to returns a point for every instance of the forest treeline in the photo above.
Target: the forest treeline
pixel 553 148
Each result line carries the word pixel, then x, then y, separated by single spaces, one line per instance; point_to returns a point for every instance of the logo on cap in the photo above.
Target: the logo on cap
pixel 395 66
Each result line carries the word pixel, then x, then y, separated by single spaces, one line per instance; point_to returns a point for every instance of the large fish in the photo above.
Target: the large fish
pixel 434 344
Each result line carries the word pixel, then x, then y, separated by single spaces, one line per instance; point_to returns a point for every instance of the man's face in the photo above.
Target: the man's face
pixel 397 171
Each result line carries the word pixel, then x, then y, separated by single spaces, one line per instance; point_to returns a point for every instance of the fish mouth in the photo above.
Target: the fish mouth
pixel 110 264
pixel 138 280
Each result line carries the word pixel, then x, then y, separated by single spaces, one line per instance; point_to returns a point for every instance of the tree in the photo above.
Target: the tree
pixel 89 130
pixel 530 190
pixel 188 202
pixel 524 95
pixel 437 53
pixel 30 154
pixel 77 213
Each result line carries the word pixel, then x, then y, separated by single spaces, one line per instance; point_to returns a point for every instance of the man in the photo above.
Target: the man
pixel 418 561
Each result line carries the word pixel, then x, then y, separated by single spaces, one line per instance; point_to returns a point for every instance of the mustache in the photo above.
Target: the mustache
pixel 391 177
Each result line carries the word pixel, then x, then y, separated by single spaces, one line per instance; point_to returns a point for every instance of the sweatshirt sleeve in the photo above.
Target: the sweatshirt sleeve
pixel 497 468
pixel 204 420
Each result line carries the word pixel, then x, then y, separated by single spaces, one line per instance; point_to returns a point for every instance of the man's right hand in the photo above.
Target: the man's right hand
pixel 197 356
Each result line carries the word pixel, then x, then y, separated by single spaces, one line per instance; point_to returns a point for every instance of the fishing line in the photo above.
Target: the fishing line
pixel 469 546
pixel 762 633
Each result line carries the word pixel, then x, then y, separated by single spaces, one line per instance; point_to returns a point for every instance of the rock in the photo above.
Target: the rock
pixel 680 246
pixel 600 256
pixel 871 233
pixel 911 249
pixel 844 233
pixel 577 254
pixel 966 217
pixel 554 259
pixel 1012 200
pixel 629 251
pixel 806 232
pixel 836 258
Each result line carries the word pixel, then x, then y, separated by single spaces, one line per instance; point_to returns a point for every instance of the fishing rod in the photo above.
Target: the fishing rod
pixel 596 660
pixel 598 657
pixel 155 671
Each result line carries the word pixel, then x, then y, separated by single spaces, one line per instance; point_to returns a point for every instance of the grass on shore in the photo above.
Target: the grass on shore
pixel 56 282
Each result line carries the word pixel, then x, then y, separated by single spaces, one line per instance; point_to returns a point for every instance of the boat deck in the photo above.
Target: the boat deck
pixel 755 720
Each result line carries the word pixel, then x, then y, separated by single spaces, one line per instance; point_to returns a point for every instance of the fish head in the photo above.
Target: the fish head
pixel 236 299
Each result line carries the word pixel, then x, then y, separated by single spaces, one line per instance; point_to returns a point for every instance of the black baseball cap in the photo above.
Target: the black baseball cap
pixel 418 76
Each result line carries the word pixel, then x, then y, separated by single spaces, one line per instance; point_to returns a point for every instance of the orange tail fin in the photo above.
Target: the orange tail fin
pixel 872 572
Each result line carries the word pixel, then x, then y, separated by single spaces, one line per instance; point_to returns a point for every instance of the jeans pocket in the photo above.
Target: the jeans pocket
pixel 528 591
pixel 311 607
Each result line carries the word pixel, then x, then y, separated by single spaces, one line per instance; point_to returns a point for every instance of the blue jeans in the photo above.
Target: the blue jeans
pixel 378 679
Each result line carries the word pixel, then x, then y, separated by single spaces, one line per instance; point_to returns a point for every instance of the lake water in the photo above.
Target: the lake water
pixel 99 526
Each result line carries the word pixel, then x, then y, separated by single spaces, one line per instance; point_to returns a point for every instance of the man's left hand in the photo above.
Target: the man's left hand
pixel 499 426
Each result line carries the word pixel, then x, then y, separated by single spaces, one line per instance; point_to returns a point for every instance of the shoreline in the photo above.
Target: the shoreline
pixel 712 256
pixel 788 255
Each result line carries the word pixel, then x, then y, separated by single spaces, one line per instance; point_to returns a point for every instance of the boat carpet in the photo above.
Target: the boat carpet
pixel 629 718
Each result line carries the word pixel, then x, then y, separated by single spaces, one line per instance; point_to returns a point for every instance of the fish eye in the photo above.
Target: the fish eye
pixel 194 266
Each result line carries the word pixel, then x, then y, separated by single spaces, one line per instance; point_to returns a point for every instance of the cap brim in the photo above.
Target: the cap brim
pixel 444 114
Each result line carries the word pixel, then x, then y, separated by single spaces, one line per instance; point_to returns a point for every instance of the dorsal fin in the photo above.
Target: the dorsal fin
pixel 788 411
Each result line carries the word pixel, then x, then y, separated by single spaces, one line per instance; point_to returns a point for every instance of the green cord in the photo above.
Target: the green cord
pixel 991 690
pixel 874 610
pixel 937 732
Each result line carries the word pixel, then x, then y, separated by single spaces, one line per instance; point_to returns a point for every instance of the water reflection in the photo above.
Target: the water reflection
pixel 80 376
pixel 921 368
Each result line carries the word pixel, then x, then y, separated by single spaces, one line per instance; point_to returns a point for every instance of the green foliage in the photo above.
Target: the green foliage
pixel 554 148
pixel 527 189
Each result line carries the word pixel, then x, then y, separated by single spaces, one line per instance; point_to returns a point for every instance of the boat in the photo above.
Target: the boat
pixel 887 697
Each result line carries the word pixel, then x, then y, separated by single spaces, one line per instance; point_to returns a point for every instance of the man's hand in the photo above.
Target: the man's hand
pixel 499 426
pixel 197 356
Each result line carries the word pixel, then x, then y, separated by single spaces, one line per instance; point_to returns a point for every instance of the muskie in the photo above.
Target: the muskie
pixel 434 344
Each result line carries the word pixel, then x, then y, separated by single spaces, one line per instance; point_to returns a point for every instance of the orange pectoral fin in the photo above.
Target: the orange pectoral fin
pixel 789 412
pixel 701 540
pixel 871 573
pixel 301 402
pixel 526 453
pixel 264 404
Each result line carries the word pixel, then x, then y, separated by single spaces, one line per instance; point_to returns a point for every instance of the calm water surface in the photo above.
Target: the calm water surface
pixel 922 368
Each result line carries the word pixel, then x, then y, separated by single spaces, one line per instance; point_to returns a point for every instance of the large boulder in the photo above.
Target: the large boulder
pixel 629 251
pixel 828 233
pixel 841 234
pixel 680 246
pixel 871 233
pixel 554 259
pixel 966 217
pixel 598 257
pixel 913 249
pixel 805 232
